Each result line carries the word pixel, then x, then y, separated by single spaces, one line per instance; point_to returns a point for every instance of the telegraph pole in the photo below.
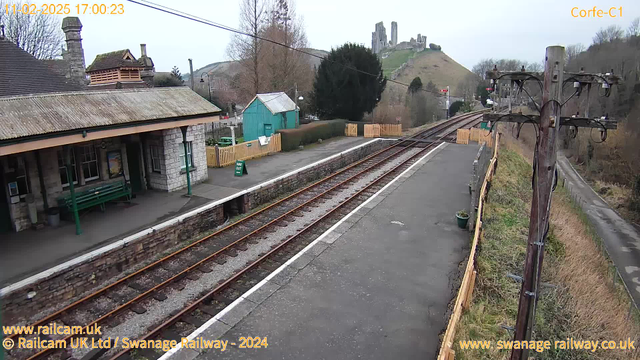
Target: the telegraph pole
pixel 543 183
pixel 544 178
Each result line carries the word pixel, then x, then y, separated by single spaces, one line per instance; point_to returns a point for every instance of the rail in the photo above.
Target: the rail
pixel 403 145
pixel 193 306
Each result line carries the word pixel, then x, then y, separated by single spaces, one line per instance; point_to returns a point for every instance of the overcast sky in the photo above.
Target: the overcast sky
pixel 467 30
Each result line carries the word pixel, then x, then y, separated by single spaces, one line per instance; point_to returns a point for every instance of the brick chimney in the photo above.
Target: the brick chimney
pixel 149 69
pixel 74 56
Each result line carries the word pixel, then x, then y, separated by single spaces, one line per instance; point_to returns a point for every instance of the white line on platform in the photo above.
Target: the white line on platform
pixel 257 286
pixel 124 242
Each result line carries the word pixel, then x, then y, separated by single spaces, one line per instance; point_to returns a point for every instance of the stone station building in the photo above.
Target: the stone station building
pixel 133 136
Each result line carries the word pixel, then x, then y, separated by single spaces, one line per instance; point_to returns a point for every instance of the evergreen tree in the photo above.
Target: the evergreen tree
pixel 340 91
pixel 416 85
pixel 175 72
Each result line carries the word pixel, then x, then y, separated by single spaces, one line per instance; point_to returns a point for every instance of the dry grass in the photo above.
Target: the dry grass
pixel 614 166
pixel 437 67
pixel 601 305
pixel 587 303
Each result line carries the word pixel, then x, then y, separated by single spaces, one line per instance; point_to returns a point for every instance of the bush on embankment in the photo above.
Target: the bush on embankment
pixel 583 301
pixel 310 133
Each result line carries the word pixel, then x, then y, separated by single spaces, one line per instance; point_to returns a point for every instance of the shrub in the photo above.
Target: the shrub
pixel 310 133
pixel 433 46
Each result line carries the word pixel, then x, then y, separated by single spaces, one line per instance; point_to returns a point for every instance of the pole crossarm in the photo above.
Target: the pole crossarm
pixel 564 120
pixel 581 77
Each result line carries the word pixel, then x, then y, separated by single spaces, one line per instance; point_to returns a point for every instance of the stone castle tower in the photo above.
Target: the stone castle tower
pixel 379 38
pixel 394 33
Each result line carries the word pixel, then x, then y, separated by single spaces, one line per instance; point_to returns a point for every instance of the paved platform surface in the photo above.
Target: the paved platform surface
pixel 376 287
pixel 621 239
pixel 28 252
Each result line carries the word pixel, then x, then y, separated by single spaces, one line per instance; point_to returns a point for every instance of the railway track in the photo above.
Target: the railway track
pixel 137 293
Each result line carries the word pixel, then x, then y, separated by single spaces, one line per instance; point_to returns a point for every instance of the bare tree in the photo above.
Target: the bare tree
pixel 482 67
pixel 610 34
pixel 468 86
pixel 246 49
pixel 572 52
pixel 534 66
pixel 39 35
pixel 634 28
pixel 286 67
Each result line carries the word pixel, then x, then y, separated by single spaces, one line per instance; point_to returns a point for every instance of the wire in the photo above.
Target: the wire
pixel 187 16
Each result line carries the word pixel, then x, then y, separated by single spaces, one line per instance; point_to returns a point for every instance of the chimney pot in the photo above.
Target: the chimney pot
pixel 143 50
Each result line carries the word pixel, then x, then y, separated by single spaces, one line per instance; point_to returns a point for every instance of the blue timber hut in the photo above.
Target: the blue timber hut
pixel 266 114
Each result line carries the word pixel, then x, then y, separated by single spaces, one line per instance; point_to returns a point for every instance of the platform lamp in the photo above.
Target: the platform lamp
pixel 208 83
pixel 299 98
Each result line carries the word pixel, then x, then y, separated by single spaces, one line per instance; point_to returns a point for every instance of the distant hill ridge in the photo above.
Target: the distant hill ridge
pixel 228 69
pixel 429 65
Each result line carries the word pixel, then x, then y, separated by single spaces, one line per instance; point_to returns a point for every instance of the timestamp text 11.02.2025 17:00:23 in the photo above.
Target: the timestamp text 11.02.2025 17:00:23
pixel 64 9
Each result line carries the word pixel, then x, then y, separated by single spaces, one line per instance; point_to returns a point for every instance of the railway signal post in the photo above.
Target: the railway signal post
pixel 545 179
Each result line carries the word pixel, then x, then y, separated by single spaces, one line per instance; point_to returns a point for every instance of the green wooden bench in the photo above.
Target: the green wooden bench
pixel 96 196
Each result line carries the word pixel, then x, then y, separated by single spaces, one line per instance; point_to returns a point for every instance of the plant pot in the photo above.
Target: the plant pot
pixel 462 221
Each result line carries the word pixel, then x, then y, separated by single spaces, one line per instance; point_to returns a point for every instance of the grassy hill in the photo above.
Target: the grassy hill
pixel 429 65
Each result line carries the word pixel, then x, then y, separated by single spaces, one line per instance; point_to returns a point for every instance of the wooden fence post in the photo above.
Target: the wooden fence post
pixel 217 154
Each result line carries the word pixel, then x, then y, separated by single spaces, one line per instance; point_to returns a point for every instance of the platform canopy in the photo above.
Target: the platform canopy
pixel 39 121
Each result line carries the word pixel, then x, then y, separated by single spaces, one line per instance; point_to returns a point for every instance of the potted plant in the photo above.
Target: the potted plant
pixel 463 218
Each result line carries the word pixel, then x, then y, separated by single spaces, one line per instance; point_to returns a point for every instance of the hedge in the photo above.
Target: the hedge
pixel 310 133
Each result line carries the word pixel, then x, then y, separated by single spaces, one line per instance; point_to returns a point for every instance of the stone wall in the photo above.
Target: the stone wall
pixel 172 144
pixel 272 191
pixel 66 284
pixel 73 281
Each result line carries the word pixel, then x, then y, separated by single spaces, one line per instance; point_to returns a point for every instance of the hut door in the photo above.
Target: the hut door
pixel 268 130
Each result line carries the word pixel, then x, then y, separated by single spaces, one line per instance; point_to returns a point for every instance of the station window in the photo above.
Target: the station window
pixel 156 158
pixel 18 177
pixel 89 162
pixel 189 155
pixel 64 179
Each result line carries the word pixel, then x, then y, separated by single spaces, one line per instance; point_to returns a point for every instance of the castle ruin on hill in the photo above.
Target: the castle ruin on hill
pixel 379 41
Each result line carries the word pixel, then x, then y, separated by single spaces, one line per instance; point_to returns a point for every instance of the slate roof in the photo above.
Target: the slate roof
pixel 24 116
pixel 21 73
pixel 113 60
pixel 277 102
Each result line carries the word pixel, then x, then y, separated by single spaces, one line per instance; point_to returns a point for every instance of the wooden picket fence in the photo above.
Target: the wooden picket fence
pixel 481 136
pixel 390 129
pixel 351 130
pixel 462 136
pixel 371 130
pixel 374 130
pixel 225 156
pixel 463 300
